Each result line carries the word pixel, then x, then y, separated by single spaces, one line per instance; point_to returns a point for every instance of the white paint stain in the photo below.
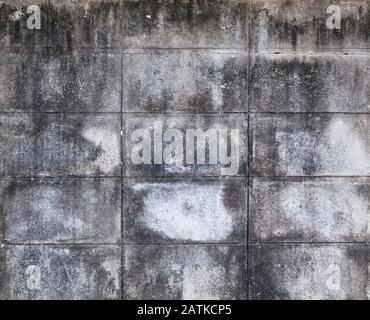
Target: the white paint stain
pixel 330 211
pixel 110 144
pixel 344 151
pixel 186 213
pixel 17 15
pixel 339 149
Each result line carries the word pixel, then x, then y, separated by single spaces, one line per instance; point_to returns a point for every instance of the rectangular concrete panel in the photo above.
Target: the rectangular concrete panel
pixel 327 82
pixel 185 81
pixel 184 272
pixel 309 25
pixel 54 82
pixel 59 145
pixel 61 210
pixel 172 163
pixel 61 272
pixel 318 210
pixel 309 272
pixel 170 210
pixel 149 24
pixel 310 145
pixel 14 32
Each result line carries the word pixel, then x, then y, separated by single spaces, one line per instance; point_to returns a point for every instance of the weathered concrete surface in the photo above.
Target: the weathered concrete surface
pixel 328 82
pixel 168 210
pixel 182 123
pixel 301 25
pixel 61 210
pixel 320 210
pixel 13 24
pixel 184 272
pixel 61 272
pixel 59 145
pixel 309 145
pixel 185 81
pixel 138 24
pixel 309 271
pixel 47 81
pixel 191 64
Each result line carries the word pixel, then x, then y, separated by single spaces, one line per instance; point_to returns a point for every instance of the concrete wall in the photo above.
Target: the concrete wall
pixel 78 220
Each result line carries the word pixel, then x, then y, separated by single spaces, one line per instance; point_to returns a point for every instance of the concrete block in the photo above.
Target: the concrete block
pixel 54 82
pixel 86 23
pixel 60 272
pixel 310 145
pixel 319 210
pixel 303 25
pixel 310 83
pixel 184 272
pixel 143 24
pixel 61 210
pixel 185 81
pixel 168 210
pixel 161 138
pixel 309 272
pixel 59 145
pixel 14 32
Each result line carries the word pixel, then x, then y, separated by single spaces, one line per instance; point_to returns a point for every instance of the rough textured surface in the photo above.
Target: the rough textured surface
pixel 310 83
pixel 61 210
pixel 148 23
pixel 164 210
pixel 80 219
pixel 60 83
pixel 309 272
pixel 184 272
pixel 301 25
pixel 185 81
pixel 309 145
pixel 299 209
pixel 59 145
pixel 53 272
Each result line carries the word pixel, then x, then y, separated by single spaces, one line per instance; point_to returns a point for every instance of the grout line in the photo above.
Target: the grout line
pixel 174 114
pixel 248 146
pixel 308 177
pixel 195 178
pixel 308 113
pixel 210 177
pixel 184 243
pixel 254 51
pixel 258 243
pixel 69 113
pixel 35 177
pixel 122 182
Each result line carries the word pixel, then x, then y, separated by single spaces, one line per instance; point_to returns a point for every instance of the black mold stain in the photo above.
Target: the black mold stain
pixel 312 31
pixel 263 285
pixel 51 81
pixel 157 286
pixel 304 85
pixel 67 195
pixel 115 23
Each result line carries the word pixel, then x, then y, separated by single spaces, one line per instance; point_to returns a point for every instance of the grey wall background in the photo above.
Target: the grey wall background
pixel 79 221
